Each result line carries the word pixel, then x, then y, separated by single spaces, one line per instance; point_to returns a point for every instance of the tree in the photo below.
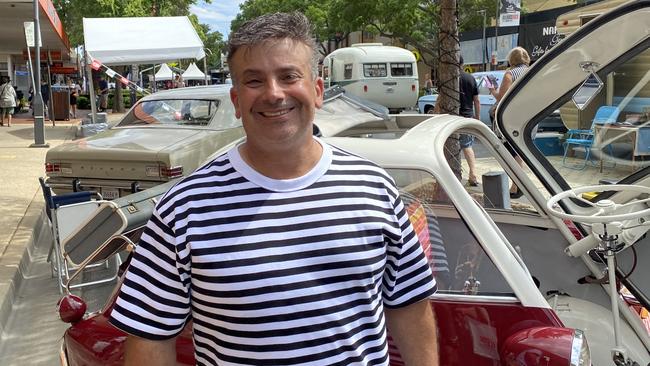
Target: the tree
pixel 73 11
pixel 413 23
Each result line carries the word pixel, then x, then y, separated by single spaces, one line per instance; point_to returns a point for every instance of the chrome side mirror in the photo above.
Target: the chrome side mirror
pixel 587 91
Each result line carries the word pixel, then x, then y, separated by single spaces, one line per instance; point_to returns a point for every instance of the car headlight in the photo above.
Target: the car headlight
pixel 580 355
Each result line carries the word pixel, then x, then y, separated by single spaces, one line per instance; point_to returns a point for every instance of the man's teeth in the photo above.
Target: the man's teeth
pixel 275 114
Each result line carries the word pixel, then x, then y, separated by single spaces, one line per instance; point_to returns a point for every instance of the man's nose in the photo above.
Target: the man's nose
pixel 274 91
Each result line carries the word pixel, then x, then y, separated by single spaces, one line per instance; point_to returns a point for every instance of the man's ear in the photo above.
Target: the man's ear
pixel 320 88
pixel 234 98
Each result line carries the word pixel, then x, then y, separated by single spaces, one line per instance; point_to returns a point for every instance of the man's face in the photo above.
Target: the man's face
pixel 275 93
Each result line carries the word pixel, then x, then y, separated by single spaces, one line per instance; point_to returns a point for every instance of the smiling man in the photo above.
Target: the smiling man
pixel 284 250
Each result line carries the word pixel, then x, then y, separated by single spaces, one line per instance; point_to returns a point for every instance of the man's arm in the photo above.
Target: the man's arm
pixel 413 329
pixel 477 108
pixel 140 351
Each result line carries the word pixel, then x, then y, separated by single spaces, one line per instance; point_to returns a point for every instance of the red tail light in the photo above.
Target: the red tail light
pixel 173 172
pixel 412 87
pixel 365 88
pixel 52 168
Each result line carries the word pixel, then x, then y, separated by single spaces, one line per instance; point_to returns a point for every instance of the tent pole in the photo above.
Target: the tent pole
pixel 154 87
pixel 205 70
pixel 91 87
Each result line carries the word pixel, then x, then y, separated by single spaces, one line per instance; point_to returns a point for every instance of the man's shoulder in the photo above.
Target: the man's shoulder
pixel 211 173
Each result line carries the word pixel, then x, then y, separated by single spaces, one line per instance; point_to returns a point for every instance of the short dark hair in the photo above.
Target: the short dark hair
pixel 294 26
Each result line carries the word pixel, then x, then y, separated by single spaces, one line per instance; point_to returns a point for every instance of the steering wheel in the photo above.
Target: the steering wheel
pixel 604 207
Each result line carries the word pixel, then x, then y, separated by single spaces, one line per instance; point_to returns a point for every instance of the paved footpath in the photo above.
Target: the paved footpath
pixel 22 225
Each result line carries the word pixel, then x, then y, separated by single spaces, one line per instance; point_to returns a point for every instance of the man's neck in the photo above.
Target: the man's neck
pixel 282 163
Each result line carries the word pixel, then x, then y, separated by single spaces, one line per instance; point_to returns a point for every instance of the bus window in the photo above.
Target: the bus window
pixel 374 70
pixel 401 69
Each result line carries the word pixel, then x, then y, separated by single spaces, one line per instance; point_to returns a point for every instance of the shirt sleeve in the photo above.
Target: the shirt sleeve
pixel 407 278
pixel 154 301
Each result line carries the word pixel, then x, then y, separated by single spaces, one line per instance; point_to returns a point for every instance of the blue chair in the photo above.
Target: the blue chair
pixel 585 138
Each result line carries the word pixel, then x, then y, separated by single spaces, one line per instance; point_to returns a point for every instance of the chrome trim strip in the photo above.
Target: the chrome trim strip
pixel 62 355
pixel 475 298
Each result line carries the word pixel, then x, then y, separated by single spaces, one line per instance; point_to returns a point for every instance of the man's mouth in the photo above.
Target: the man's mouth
pixel 277 113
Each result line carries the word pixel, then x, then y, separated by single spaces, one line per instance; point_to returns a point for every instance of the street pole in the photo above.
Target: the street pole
pixel 483 45
pixel 37 101
pixel 495 52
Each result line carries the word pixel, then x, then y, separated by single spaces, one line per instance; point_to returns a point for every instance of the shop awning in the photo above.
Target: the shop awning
pixel 193 73
pixel 144 40
pixel 12 32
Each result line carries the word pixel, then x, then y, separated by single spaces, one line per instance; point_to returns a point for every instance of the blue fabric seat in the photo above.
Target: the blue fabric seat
pixel 585 138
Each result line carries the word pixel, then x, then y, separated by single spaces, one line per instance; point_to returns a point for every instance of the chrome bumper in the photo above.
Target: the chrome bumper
pixel 62 354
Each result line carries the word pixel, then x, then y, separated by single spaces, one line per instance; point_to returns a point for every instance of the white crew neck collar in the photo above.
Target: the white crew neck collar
pixel 281 185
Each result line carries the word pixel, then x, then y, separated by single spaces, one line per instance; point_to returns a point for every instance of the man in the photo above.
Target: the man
pixel 284 250
pixel 470 106
pixel 103 94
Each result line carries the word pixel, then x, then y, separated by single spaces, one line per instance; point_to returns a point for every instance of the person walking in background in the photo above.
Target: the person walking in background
pixel 470 106
pixel 178 81
pixel 73 99
pixel 7 101
pixel 275 251
pixel 103 94
pixel 428 84
pixel 518 62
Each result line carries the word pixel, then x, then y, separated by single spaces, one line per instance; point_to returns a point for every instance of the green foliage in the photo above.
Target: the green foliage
pixel 412 22
pixel 83 102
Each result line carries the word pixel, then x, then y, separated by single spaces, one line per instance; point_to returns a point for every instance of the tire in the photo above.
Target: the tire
pixel 428 108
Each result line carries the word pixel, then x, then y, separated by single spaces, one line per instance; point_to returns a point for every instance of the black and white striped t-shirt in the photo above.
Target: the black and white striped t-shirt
pixel 276 272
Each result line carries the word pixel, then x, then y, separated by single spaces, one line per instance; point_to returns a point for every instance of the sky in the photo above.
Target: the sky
pixel 218 14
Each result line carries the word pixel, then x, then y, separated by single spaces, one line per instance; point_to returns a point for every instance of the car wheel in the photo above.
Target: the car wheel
pixel 428 108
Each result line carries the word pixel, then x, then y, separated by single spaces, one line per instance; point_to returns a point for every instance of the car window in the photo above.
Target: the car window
pixel 401 69
pixel 371 70
pixel 610 138
pixel 457 260
pixel 180 112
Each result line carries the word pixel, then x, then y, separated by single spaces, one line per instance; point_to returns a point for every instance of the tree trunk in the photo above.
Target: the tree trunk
pixel 118 99
pixel 448 101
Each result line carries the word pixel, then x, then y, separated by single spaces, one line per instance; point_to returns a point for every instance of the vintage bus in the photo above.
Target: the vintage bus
pixel 386 75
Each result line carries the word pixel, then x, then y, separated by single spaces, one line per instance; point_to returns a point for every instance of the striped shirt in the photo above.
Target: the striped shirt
pixel 276 272
pixel 517 71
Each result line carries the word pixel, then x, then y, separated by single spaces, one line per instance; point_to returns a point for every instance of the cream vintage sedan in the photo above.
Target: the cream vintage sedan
pixel 164 136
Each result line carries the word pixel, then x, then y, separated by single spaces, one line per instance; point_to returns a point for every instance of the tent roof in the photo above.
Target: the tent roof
pixel 164 73
pixel 193 73
pixel 142 40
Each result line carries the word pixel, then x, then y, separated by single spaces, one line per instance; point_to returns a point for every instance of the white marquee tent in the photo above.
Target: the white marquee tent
pixel 193 73
pixel 145 40
pixel 142 40
pixel 164 73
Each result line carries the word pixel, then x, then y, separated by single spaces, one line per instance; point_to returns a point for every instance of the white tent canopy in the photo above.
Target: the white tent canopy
pixel 143 40
pixel 193 73
pixel 165 73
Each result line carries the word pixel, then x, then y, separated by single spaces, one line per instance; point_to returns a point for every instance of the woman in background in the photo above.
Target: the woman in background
pixel 518 62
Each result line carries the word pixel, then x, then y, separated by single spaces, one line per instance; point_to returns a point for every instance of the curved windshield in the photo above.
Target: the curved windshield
pixel 177 112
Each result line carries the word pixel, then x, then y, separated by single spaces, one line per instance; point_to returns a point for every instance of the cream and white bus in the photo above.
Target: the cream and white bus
pixel 386 75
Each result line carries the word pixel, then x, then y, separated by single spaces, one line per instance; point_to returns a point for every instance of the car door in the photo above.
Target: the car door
pixel 616 47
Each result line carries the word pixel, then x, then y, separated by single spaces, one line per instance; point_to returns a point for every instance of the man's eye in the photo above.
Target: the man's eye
pixel 252 82
pixel 290 77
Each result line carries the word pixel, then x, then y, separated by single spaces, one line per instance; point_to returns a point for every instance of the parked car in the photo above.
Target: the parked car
pixel 510 295
pixel 552 123
pixel 163 136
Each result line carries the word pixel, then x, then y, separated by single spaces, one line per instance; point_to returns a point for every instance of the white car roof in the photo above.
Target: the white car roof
pixel 196 92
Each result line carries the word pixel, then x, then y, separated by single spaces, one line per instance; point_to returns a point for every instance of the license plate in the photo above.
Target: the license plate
pixel 110 193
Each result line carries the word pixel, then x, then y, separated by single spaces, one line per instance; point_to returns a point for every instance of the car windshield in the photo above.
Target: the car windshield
pixel 609 139
pixel 175 112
